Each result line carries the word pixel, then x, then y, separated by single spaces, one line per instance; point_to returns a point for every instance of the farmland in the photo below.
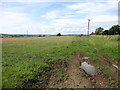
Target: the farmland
pixel 52 62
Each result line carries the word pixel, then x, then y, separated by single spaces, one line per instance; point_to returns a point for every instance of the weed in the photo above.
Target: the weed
pixel 103 69
pixel 111 81
pixel 62 77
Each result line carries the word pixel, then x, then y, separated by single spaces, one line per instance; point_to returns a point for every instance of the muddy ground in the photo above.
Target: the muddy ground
pixel 67 74
pixel 78 78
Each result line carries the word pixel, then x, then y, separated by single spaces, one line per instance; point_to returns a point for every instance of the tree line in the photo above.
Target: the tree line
pixel 114 30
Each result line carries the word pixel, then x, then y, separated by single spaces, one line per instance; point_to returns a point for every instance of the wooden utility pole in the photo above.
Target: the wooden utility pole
pixel 88 26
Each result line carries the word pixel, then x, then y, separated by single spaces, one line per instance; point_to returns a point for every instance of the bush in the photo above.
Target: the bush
pixel 59 34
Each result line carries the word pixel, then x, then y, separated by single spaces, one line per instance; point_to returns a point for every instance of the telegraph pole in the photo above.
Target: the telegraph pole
pixel 88 26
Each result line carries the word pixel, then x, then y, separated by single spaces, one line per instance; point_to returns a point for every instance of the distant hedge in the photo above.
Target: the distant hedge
pixel 114 30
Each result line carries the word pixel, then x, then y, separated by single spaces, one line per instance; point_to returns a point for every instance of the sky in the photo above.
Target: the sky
pixel 53 16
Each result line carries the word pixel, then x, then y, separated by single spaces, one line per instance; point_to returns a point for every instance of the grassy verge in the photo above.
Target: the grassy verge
pixel 107 45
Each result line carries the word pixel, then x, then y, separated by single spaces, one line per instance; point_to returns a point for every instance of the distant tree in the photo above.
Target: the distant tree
pixel 106 32
pixel 114 30
pixel 99 31
pixel 43 35
pixel 92 33
pixel 59 34
pixel 40 35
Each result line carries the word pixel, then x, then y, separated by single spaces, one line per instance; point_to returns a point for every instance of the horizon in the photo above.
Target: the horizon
pixel 43 34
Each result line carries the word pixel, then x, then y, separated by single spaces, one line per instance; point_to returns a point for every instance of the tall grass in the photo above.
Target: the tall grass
pixel 107 45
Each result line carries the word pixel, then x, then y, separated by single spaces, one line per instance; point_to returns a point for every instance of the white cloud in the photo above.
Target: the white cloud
pixel 104 18
pixel 16 22
pixel 93 7
pixel 51 14
pixel 64 21
pixel 100 19
pixel 58 0
pixel 11 20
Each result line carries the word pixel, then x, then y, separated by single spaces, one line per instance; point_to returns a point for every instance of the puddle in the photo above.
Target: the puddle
pixel 89 69
pixel 115 66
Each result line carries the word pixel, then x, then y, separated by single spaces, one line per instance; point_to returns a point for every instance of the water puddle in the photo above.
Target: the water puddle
pixel 89 69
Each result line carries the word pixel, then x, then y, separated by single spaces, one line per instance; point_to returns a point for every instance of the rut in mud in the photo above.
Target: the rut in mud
pixel 77 78
pixel 111 71
pixel 67 74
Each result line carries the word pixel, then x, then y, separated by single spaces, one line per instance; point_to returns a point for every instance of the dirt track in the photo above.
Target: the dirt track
pixel 78 78
pixel 67 74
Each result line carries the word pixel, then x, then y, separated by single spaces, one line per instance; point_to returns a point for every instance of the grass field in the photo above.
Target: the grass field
pixel 24 58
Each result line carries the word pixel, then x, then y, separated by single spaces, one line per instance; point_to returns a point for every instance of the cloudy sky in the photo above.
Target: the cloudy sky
pixel 53 16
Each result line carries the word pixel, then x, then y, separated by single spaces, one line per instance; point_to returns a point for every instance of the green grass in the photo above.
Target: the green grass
pixel 24 58
pixel 62 77
pixel 104 69
pixel 107 45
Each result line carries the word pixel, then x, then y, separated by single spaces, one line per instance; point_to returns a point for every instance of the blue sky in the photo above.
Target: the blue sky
pixel 50 17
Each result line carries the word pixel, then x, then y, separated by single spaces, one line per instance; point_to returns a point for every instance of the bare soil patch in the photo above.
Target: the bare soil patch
pixel 111 70
pixel 67 74
pixel 77 77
